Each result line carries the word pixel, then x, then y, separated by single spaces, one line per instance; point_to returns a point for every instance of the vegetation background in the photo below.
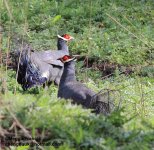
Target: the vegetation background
pixel 117 33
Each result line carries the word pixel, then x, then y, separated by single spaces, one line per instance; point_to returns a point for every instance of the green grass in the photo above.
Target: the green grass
pixel 78 128
pixel 119 32
pixel 96 32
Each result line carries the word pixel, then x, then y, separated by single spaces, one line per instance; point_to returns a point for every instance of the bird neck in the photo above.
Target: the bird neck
pixel 61 44
pixel 69 72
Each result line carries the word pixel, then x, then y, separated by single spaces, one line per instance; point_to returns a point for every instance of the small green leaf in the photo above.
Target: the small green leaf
pixel 56 18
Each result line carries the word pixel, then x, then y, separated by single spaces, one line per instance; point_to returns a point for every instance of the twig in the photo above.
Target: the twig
pixel 127 29
pixel 24 129
pixel 3 132
pixel 134 27
pixel 24 31
pixel 18 67
pixel 0 45
pixel 8 9
pixel 7 56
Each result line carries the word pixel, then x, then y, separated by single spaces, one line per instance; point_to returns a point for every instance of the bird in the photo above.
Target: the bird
pixel 70 88
pixel 39 67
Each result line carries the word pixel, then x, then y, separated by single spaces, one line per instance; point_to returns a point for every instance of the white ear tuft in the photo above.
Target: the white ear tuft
pixel 59 36
pixel 62 37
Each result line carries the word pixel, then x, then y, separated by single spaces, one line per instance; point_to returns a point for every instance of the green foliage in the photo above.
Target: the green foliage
pixel 148 71
pixel 96 33
pixel 76 128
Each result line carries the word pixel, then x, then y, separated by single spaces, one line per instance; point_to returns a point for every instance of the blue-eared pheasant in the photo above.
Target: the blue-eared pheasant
pixel 39 67
pixel 70 88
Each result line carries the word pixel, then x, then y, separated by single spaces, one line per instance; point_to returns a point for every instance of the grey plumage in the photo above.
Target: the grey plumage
pixel 47 62
pixel 70 88
pixel 37 68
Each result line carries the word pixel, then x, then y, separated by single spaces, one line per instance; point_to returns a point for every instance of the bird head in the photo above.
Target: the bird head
pixel 66 58
pixel 66 37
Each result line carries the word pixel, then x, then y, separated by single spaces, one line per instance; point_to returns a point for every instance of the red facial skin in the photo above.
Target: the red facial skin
pixel 65 58
pixel 66 36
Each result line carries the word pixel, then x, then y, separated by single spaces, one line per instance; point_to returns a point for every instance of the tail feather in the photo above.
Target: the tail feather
pixel 33 76
pixel 29 74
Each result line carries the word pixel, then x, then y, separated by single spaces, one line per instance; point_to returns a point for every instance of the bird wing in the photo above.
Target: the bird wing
pixel 51 56
pixel 54 62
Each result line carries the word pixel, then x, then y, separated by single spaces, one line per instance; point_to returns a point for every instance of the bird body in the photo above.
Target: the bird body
pixel 37 68
pixel 70 88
